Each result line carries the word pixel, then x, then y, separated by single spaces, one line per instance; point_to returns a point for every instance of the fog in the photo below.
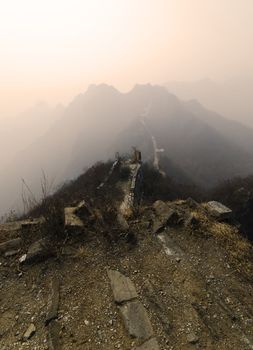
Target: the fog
pixel 53 51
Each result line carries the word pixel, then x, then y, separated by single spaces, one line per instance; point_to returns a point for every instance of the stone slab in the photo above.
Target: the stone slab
pixel 71 219
pixel 122 287
pixel 32 222
pixel 136 320
pixel 165 216
pixel 10 245
pixel 11 253
pixel 38 251
pixel 54 301
pixel 54 329
pixel 18 225
pixel 219 210
pixel 151 344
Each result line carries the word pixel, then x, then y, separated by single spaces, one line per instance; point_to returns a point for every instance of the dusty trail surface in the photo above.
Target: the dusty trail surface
pixel 197 296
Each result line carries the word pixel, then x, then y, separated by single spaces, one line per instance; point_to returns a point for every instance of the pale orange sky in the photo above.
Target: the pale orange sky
pixel 53 49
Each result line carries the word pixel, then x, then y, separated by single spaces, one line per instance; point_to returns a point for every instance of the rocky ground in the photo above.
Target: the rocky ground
pixel 189 286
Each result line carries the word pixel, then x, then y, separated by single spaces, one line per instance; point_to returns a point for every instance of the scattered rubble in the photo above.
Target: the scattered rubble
pixel 193 278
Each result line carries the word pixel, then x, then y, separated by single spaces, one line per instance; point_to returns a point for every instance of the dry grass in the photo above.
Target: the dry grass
pixel 179 202
pixel 238 248
pixel 82 252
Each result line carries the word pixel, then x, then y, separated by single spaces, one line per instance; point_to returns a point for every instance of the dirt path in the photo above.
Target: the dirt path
pixel 193 297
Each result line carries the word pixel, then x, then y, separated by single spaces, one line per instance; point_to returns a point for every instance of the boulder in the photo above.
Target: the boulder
pixel 218 210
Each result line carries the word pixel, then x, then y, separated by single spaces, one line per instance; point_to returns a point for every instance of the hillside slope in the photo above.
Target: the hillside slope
pixel 231 98
pixel 189 286
pixel 103 120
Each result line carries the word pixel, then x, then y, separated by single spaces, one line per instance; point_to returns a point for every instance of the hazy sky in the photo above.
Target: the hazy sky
pixel 52 49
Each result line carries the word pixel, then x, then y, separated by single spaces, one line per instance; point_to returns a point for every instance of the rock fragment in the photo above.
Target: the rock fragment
pixel 29 332
pixel 192 338
pixel 22 259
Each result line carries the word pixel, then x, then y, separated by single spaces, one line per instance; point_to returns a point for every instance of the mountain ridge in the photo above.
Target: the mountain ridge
pixel 90 128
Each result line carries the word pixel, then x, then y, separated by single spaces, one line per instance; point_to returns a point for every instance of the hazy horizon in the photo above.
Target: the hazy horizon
pixel 52 51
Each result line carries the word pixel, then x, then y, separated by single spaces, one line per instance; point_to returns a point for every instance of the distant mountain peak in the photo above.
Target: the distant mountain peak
pixel 95 89
pixel 146 88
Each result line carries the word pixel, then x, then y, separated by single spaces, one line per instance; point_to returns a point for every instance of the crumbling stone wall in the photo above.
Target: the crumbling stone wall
pixel 134 193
